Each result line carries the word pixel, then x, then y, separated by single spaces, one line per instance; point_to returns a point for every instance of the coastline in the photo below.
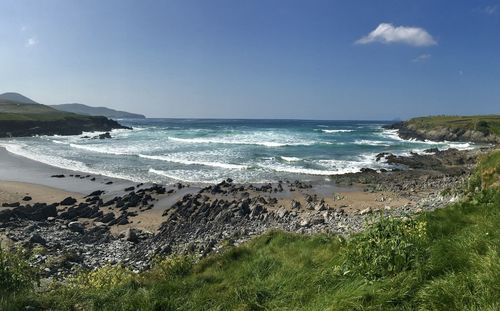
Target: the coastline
pixel 20 169
pixel 129 223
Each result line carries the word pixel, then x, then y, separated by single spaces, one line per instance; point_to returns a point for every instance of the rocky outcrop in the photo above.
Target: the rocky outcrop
pixel 408 130
pixel 67 126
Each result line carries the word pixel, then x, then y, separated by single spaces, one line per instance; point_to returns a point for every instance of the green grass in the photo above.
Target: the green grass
pixel 448 259
pixel 484 123
pixel 12 111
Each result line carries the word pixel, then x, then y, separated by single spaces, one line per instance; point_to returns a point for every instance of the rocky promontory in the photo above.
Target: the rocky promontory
pixel 21 116
pixel 477 129
pixel 70 125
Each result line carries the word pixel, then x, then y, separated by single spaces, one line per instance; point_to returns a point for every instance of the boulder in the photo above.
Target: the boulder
pixel 130 235
pixel 38 239
pixel 37 212
pixel 75 226
pixel 68 201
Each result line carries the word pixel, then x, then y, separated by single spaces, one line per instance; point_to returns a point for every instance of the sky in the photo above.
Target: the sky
pixel 309 59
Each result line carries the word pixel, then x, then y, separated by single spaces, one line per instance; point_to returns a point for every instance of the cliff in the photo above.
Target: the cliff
pixel 68 125
pixel 478 129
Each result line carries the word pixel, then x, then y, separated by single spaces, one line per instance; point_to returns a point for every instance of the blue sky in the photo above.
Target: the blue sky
pixel 256 59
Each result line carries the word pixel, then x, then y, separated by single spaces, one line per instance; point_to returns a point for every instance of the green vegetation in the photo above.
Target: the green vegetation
pixel 17 278
pixel 448 259
pixel 12 111
pixel 486 124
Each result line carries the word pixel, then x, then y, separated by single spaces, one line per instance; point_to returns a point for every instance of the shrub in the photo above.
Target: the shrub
pixel 16 274
pixel 105 277
pixel 483 127
pixel 386 248
pixel 170 267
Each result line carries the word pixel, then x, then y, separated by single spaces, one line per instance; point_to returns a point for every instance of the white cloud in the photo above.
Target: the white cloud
pixel 490 9
pixel 31 42
pixel 387 33
pixel 422 58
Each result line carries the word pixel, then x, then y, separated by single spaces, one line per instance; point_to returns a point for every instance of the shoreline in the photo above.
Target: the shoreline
pixel 17 168
pixel 129 223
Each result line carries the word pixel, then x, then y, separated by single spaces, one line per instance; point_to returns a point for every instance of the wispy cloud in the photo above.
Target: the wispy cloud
pixel 490 9
pixel 30 42
pixel 387 33
pixel 422 58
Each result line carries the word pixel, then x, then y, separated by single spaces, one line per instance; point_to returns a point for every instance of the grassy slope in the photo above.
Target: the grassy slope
pixel 11 111
pixel 465 122
pixel 451 263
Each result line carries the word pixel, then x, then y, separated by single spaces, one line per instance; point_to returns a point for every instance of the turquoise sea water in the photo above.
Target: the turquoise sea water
pixel 208 151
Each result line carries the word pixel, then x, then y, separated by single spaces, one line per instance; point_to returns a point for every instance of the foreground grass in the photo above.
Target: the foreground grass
pixel 448 259
pixel 486 123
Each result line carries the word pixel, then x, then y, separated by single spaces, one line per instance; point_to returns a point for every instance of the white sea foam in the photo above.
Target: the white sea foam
pixel 59 142
pixel 290 159
pixel 186 176
pixel 391 134
pixel 337 131
pixel 192 162
pixel 239 141
pixel 372 142
pixel 327 166
pixel 100 149
pixel 60 162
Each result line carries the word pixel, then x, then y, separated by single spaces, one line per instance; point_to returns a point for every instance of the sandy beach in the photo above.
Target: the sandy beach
pixel 19 169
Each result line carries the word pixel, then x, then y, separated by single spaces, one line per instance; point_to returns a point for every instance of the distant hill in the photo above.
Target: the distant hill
pixel 21 116
pixel 16 97
pixel 97 111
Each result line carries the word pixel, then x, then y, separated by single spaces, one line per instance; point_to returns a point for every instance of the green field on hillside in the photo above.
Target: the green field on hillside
pixel 485 123
pixel 448 259
pixel 12 111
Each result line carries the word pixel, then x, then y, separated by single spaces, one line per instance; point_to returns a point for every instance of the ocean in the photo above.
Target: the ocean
pixel 209 151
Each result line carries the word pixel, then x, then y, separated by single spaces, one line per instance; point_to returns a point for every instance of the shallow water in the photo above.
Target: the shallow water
pixel 208 151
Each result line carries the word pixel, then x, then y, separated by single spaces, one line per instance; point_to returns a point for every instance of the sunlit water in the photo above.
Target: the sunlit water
pixel 208 151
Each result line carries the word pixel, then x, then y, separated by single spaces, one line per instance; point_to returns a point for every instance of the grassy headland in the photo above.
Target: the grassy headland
pixel 27 119
pixel 448 259
pixel 483 129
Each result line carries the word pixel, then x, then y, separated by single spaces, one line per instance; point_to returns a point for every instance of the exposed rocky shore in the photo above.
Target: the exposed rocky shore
pixel 102 228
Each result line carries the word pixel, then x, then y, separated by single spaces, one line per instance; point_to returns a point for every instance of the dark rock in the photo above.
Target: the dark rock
pixel 14 204
pixel 431 150
pixel 96 193
pixel 27 198
pixel 36 238
pixel 37 212
pixel 68 201
pixel 106 135
pixel 75 226
pixel 131 235
pixel 6 215
pixel 107 217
